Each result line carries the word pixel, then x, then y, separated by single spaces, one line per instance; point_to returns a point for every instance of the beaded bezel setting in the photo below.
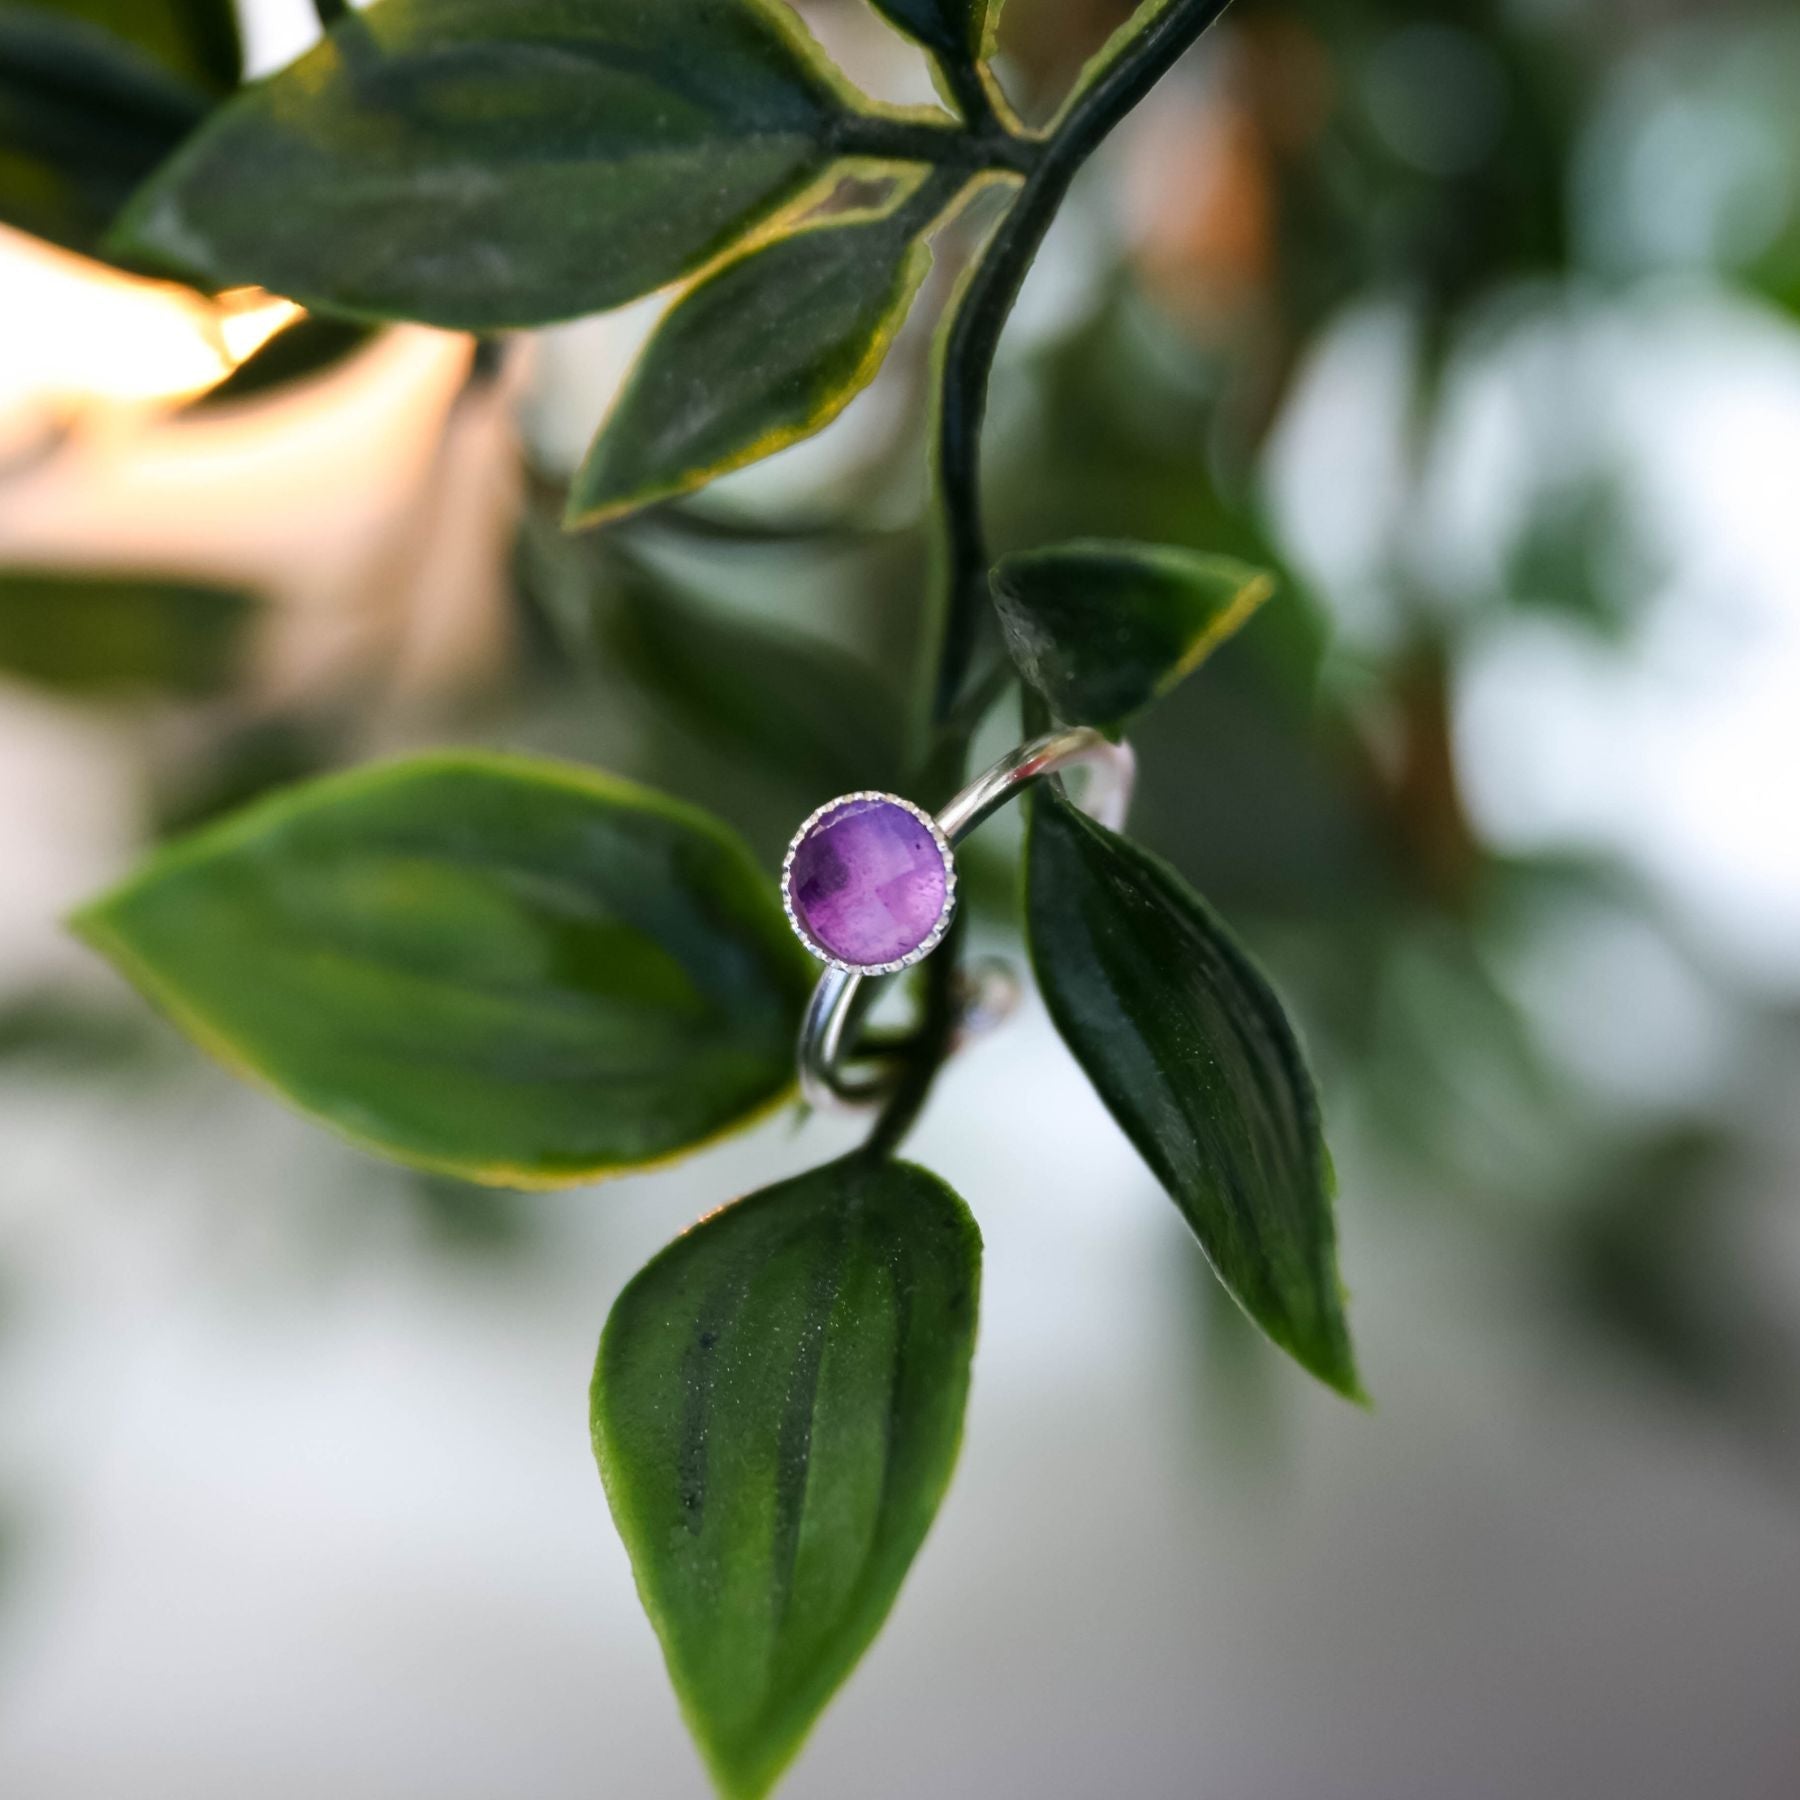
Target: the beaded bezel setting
pixel 933 937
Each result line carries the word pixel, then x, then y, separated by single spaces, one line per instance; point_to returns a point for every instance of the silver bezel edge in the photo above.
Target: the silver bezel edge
pixel 929 943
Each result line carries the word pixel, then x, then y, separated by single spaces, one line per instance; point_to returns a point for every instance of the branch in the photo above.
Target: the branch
pixel 1125 73
pixel 895 137
pixel 967 85
pixel 937 1030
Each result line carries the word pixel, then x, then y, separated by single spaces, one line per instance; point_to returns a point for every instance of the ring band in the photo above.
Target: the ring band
pixel 869 884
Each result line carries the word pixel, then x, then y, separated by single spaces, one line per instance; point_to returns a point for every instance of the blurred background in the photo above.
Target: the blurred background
pixel 1481 323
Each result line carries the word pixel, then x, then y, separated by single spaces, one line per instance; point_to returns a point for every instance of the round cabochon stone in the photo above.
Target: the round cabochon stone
pixel 868 883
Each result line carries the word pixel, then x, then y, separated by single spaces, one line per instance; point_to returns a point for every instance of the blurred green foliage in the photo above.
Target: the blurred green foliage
pixel 108 634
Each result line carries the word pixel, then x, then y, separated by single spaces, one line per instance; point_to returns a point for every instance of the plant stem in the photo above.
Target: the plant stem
pixel 330 11
pixel 926 1054
pixel 967 86
pixel 1126 70
pixel 896 138
pixel 1114 87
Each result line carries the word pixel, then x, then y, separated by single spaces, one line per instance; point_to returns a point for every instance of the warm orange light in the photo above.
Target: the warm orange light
pixel 246 318
pixel 80 333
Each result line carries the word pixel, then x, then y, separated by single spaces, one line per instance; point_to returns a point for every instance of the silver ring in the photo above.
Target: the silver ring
pixel 916 850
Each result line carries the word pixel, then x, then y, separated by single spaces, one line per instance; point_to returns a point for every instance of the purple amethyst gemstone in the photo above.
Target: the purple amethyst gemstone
pixel 868 883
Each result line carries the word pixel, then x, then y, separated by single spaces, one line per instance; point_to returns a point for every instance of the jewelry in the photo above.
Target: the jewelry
pixel 869 884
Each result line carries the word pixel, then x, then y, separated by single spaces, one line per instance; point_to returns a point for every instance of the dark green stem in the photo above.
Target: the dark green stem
pixel 968 88
pixel 1049 166
pixel 927 1051
pixel 331 11
pixel 986 302
pixel 896 139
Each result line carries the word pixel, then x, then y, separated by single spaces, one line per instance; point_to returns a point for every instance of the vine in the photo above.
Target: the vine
pixel 534 974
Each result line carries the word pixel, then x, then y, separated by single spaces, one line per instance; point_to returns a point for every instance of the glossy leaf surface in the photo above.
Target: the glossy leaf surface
pixel 777 1408
pixel 84 118
pixel 761 353
pixel 1103 629
pixel 476 164
pixel 102 634
pixel 1185 1041
pixel 502 969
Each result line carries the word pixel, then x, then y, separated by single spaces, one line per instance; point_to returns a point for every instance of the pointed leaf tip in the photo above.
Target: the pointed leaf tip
pixel 761 353
pixel 1188 1046
pixel 483 166
pixel 506 970
pixel 1103 629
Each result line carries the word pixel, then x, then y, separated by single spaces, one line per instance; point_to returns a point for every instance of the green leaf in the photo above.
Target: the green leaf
pixel 792 705
pixel 476 164
pixel 960 30
pixel 1188 1046
pixel 84 118
pixel 1102 629
pixel 507 970
pixel 303 351
pixel 777 1407
pixel 197 39
pixel 90 634
pixel 756 356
